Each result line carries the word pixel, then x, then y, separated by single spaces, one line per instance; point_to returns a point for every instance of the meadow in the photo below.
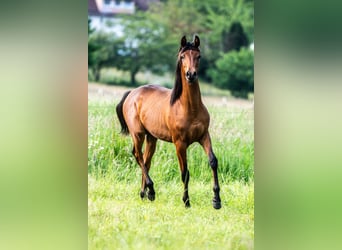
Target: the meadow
pixel 119 219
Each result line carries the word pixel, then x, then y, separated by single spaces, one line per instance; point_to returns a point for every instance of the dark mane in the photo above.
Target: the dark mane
pixel 177 88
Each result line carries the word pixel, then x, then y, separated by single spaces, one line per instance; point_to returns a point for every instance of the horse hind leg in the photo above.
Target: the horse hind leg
pixel 143 188
pixel 138 140
pixel 148 154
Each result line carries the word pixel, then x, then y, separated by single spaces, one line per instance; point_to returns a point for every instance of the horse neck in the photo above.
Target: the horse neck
pixel 191 95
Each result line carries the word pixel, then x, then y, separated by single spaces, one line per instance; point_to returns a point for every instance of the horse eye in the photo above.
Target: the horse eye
pixel 182 57
pixel 198 57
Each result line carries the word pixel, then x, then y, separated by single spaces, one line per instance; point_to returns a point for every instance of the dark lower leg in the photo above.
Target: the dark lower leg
pixel 181 154
pixel 216 189
pixel 148 153
pixel 185 179
pixel 147 183
pixel 143 187
pixel 146 180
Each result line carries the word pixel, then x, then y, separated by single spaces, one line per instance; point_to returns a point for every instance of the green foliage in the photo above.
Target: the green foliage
pixel 235 38
pixel 217 18
pixel 91 47
pixel 151 39
pixel 222 13
pixel 235 71
pixel 105 53
pixel 144 46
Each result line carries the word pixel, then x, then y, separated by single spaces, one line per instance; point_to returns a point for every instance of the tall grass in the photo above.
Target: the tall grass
pixel 109 152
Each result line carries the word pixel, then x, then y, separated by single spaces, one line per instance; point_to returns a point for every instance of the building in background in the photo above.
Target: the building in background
pixel 104 13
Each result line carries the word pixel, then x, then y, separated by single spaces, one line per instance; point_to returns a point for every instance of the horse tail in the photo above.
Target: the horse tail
pixel 119 112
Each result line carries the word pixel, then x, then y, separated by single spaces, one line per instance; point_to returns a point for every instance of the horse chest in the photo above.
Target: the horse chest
pixel 188 126
pixel 190 130
pixel 196 131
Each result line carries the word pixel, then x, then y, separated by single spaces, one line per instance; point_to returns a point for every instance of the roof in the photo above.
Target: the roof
pixel 92 8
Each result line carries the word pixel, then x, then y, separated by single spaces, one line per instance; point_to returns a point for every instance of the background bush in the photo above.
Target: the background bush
pixel 235 71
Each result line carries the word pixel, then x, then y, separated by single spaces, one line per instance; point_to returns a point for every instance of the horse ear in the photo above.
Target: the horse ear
pixel 196 41
pixel 183 41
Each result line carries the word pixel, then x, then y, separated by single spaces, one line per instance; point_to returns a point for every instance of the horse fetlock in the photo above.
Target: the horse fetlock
pixel 187 204
pixel 186 201
pixel 149 184
pixel 216 189
pixel 142 194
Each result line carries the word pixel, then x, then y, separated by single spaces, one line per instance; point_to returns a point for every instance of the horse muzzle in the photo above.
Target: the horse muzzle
pixel 191 76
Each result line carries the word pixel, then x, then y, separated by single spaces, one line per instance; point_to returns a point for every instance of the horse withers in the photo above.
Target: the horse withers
pixel 153 112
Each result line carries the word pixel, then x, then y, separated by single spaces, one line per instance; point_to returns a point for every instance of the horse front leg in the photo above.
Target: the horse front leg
pixel 206 144
pixel 181 154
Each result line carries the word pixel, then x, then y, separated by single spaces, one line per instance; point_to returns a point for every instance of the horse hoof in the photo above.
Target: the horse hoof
pixel 151 196
pixel 217 204
pixel 142 194
pixel 187 204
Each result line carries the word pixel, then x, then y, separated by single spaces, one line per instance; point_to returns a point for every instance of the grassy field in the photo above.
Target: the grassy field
pixel 119 219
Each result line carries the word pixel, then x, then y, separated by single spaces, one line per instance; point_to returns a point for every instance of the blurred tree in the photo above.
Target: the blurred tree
pixel 235 38
pixel 144 45
pixel 91 46
pixel 104 55
pixel 221 14
pixel 235 71
pixel 179 18
pixel 218 18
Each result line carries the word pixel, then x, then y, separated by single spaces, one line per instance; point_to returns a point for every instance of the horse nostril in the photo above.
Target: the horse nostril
pixel 194 74
pixel 188 74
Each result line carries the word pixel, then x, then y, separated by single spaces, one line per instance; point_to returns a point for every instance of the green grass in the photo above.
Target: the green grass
pixel 119 219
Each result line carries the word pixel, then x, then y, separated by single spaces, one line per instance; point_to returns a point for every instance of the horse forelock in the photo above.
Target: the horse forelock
pixel 188 46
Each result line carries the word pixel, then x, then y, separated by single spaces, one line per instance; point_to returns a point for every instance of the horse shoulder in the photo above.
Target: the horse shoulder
pixel 188 127
pixel 204 115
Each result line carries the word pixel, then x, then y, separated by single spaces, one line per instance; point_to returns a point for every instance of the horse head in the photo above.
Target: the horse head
pixel 189 56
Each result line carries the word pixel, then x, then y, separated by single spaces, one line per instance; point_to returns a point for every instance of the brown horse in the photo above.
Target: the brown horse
pixel 178 116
